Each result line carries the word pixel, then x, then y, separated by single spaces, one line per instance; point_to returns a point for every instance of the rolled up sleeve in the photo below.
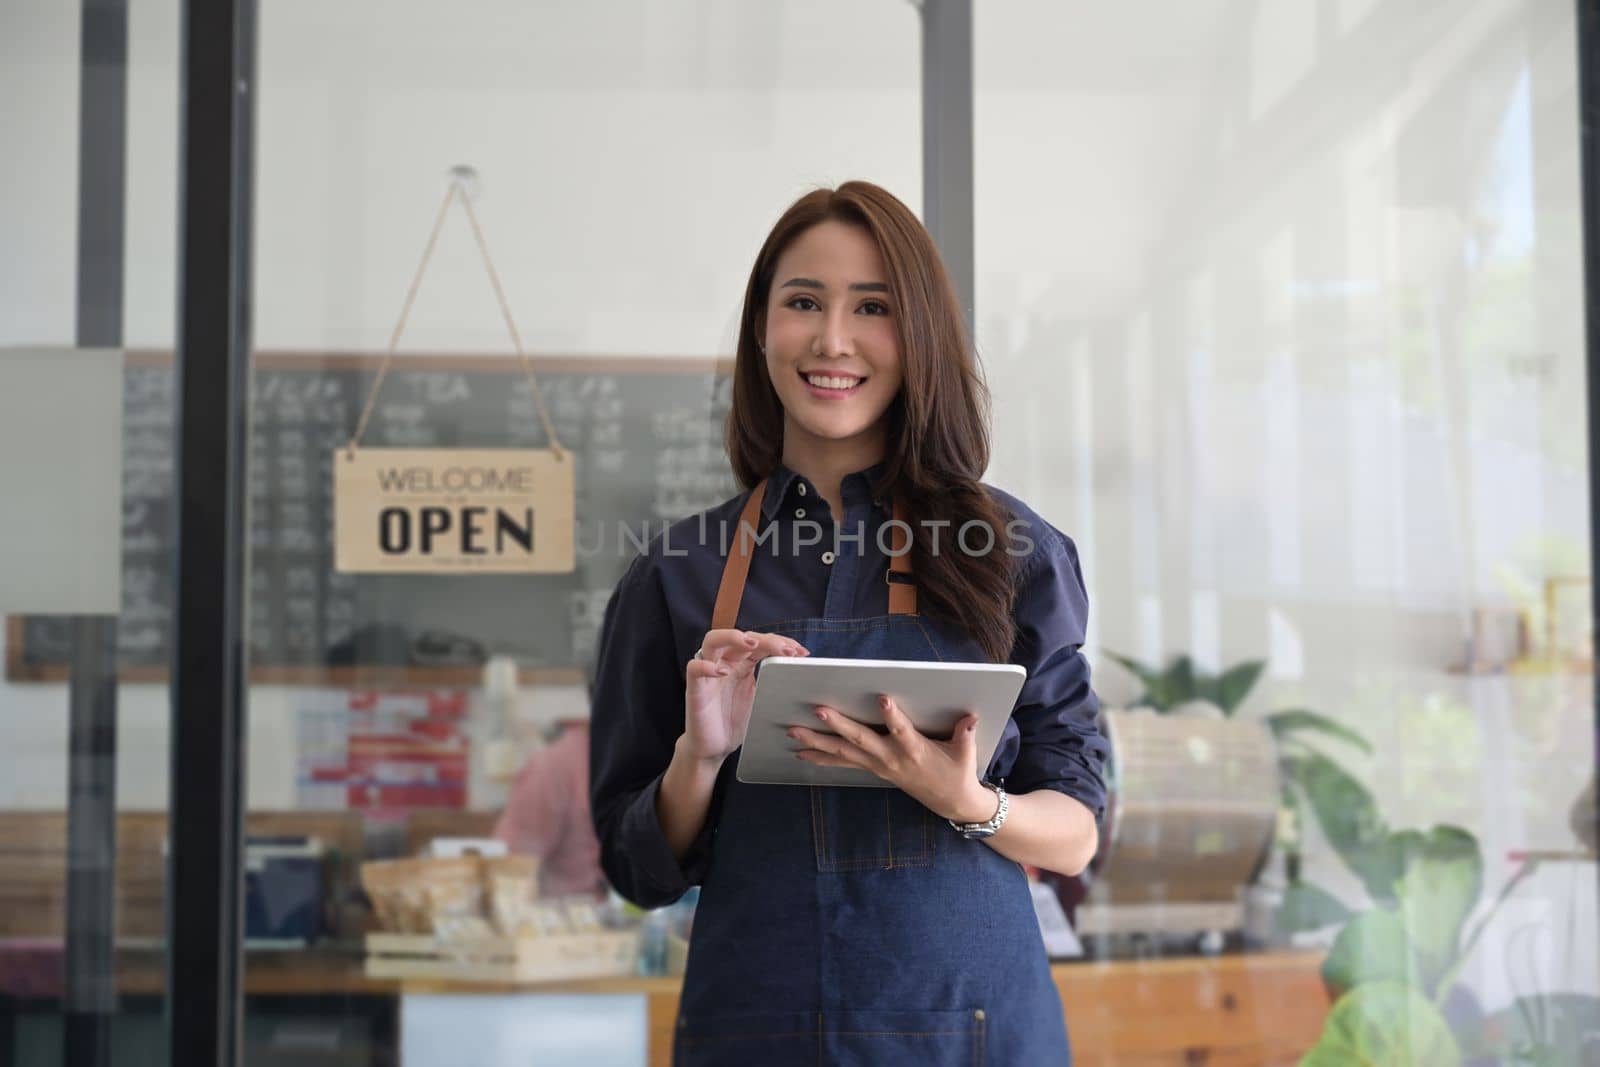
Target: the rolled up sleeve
pixel 1054 739
pixel 635 721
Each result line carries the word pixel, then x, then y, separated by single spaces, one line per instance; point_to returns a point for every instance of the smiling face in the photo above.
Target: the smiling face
pixel 832 349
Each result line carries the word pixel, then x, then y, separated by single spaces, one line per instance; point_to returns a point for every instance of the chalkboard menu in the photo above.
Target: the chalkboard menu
pixel 646 435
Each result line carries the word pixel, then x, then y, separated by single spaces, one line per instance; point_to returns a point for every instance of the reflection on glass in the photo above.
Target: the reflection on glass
pixel 86 465
pixel 629 157
pixel 1317 270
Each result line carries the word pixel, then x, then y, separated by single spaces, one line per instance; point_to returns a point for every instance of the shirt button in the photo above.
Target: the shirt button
pixel 827 557
pixel 800 487
pixel 799 513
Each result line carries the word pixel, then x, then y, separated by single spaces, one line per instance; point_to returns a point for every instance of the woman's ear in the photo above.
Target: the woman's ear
pixel 758 329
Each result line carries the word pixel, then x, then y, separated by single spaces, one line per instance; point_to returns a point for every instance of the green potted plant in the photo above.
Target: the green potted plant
pixel 1392 969
pixel 1393 966
pixel 1182 688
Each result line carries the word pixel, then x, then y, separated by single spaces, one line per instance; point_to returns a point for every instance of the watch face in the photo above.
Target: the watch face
pixel 984 832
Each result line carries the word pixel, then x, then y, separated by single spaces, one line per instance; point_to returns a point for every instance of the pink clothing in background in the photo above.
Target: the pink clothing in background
pixel 547 815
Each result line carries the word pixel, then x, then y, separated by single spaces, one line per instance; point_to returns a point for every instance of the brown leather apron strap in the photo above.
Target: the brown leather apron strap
pixel 737 568
pixel 725 613
pixel 902 586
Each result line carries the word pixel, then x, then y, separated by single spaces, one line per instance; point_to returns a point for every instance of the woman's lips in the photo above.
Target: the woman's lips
pixel 828 392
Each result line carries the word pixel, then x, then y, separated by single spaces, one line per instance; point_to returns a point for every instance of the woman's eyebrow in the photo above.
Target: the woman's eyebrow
pixel 854 287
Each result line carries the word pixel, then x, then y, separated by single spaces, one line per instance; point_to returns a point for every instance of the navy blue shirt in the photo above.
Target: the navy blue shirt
pixel 661 609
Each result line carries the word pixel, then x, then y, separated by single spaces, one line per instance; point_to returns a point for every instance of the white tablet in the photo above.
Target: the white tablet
pixel 935 696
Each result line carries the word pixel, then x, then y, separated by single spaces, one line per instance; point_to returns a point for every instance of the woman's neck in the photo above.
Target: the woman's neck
pixel 824 463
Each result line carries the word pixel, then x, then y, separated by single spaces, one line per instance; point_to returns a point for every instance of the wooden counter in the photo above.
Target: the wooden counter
pixel 1228 1011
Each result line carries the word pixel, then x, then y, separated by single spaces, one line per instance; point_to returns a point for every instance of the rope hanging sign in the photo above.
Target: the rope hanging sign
pixel 454 510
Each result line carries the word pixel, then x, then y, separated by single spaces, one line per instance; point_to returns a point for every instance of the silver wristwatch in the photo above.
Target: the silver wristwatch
pixel 986 829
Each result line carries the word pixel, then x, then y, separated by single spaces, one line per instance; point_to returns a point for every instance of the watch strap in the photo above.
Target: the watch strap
pixel 986 829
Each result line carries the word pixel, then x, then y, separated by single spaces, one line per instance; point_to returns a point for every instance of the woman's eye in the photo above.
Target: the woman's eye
pixel 874 307
pixel 797 301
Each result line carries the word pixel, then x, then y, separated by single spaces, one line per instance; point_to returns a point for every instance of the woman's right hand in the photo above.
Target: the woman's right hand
pixel 721 686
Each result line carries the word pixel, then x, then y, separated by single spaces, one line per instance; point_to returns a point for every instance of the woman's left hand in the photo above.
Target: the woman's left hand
pixel 942 775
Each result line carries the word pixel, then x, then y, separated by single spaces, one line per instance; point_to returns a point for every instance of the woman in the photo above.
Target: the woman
pixel 547 815
pixel 849 925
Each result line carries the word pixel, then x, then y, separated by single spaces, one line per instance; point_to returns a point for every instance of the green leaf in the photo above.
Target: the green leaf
pixel 1349 819
pixel 1381 863
pixel 1372 947
pixel 1287 723
pixel 1384 1024
pixel 1526 871
pixel 1175 685
pixel 1149 676
pixel 1442 882
pixel 1236 683
pixel 1134 667
pixel 1165 688
pixel 1309 907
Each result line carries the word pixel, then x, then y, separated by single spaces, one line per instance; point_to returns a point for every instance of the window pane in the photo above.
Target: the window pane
pixel 629 159
pixel 1284 305
pixel 87 248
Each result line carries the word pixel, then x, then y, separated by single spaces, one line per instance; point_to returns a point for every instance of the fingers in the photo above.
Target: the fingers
pixel 775 645
pixel 738 651
pixel 963 743
pixel 734 647
pixel 822 759
pixel 860 737
pixel 901 748
pixel 720 644
pixel 706 668
pixel 966 736
pixel 826 749
pixel 902 731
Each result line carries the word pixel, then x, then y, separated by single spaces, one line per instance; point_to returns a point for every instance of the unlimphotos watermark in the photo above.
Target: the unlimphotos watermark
pixel 974 537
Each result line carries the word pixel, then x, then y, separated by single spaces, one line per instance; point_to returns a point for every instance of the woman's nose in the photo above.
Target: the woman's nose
pixel 835 339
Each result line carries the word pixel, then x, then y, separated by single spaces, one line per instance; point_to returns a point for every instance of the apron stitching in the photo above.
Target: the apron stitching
pixel 818 828
pixel 819 1031
pixel 706 1039
pixel 898 1033
pixel 888 829
pixel 924 858
pixel 838 625
pixel 876 864
pixel 901 1032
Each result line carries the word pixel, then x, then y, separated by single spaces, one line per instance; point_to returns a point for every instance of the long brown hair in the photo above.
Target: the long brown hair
pixel 938 424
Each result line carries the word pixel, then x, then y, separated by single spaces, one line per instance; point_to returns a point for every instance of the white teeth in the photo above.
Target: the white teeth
pixel 822 381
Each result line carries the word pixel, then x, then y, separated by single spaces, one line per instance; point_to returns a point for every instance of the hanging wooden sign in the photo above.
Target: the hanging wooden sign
pixel 453 511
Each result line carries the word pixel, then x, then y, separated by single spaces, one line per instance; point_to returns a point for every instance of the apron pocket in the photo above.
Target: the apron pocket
pixel 891 1038
pixel 861 829
pixel 780 1039
pixel 838 1038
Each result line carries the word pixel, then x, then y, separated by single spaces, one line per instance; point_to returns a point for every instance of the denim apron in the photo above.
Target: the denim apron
pixel 849 925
